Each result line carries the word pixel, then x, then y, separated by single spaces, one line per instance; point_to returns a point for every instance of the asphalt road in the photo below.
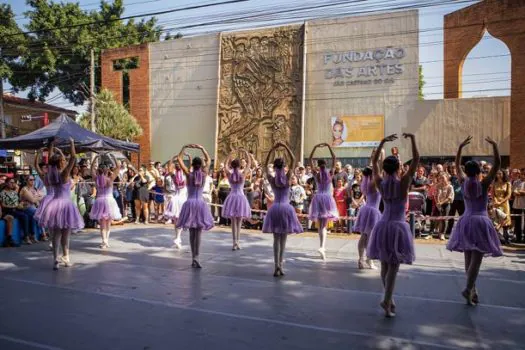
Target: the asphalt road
pixel 142 294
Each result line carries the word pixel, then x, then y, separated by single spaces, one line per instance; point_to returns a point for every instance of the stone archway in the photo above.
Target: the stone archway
pixel 505 20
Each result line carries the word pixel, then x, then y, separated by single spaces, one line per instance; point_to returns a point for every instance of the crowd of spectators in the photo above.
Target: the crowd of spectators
pixel 141 193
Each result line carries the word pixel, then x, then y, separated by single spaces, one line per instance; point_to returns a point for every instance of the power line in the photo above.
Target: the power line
pixel 128 17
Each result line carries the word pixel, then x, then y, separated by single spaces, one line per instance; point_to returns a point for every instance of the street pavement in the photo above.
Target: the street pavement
pixel 142 294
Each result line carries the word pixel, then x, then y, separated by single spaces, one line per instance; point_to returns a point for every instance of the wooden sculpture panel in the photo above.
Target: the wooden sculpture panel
pixel 260 91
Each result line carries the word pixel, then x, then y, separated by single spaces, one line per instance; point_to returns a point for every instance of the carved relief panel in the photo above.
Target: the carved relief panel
pixel 261 91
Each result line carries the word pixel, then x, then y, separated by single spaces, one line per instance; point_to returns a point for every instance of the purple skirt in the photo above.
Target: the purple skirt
pixel 195 213
pixel 323 207
pixel 236 206
pixel 61 213
pixel 391 242
pixel 105 208
pixel 366 220
pixel 42 207
pixel 282 219
pixel 475 232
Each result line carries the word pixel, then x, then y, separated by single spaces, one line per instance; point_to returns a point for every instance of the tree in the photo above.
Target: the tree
pixel 422 83
pixel 13 45
pixel 112 118
pixel 60 57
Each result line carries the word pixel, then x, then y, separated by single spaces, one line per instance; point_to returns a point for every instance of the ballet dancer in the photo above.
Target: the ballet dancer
pixel 474 234
pixel 236 206
pixel 175 186
pixel 367 217
pixel 391 240
pixel 323 207
pixel 281 218
pixel 42 170
pixel 61 215
pixel 105 209
pixel 195 214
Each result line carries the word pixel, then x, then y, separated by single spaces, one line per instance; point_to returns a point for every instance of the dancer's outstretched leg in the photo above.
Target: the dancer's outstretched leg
pixel 276 253
pixel 283 238
pixel 56 238
pixel 322 237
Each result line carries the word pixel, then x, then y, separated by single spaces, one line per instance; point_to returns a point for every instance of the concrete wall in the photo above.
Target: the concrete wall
pixel 184 85
pixel 441 125
pixel 328 96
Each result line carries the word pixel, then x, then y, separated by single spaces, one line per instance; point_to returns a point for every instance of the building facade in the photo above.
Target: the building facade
pixel 345 81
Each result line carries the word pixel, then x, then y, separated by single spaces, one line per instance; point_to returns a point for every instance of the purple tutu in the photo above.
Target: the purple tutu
pixel 391 240
pixel 323 207
pixel 236 204
pixel 323 204
pixel 195 213
pixel 281 217
pixel 366 220
pixel 43 204
pixel 61 212
pixel 105 208
pixel 174 203
pixel 474 230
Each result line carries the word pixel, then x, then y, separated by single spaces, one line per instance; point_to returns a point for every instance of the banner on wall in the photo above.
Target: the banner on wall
pixel 357 130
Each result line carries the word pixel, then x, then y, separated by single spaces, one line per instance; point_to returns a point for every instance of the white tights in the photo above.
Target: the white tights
pixel 105 226
pixel 236 230
pixel 279 245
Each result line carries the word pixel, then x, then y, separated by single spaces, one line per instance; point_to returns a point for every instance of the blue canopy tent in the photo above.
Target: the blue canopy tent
pixel 61 130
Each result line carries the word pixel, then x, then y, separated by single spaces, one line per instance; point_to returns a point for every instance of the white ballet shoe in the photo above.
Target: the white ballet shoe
pixel 322 253
pixel 66 262
pixel 177 244
pixel 371 264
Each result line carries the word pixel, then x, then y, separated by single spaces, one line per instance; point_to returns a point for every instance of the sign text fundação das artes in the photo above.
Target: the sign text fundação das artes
pixel 379 66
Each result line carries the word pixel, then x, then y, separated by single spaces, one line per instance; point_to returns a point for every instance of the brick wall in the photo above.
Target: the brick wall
pixel 505 20
pixel 139 90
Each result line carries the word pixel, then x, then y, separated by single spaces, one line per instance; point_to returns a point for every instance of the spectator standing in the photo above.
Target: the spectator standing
pixel 501 193
pixel 458 204
pixel 444 198
pixel 519 206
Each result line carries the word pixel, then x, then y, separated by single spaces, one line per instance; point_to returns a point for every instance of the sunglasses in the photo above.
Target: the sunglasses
pixel 30 179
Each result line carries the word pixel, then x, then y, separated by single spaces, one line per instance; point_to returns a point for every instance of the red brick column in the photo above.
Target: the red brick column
pixel 139 100
pixel 505 20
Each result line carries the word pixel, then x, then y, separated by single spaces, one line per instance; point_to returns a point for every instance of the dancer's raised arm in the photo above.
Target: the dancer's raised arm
pixel 495 166
pixel 248 168
pixel 459 170
pixel 118 166
pixel 271 154
pixel 227 163
pixel 376 168
pixel 93 169
pixel 207 159
pixel 39 170
pixel 180 160
pixel 293 162
pixel 334 158
pixel 72 160
pixel 311 158
pixel 414 163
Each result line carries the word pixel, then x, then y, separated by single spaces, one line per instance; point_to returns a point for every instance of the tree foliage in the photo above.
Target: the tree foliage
pixel 13 43
pixel 422 83
pixel 112 118
pixel 60 58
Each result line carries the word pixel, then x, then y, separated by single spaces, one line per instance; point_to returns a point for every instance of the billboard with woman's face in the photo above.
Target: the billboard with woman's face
pixel 357 130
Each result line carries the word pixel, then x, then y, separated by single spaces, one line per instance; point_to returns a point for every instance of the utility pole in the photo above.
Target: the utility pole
pixel 2 117
pixel 92 90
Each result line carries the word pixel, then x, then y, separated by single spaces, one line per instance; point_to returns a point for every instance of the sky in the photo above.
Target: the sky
pixel 486 71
